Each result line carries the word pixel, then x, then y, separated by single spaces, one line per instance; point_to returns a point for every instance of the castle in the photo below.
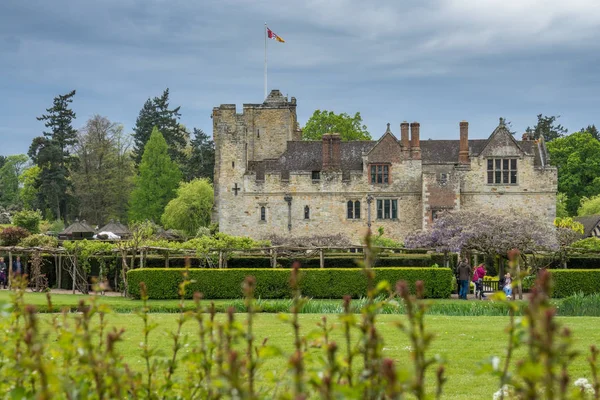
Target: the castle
pixel 269 181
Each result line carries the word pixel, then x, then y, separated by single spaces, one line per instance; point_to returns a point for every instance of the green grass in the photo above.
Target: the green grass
pixel 462 341
pixel 577 305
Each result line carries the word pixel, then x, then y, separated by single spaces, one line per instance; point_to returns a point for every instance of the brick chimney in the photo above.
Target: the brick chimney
pixel 332 152
pixel 404 136
pixel 415 142
pixel 463 151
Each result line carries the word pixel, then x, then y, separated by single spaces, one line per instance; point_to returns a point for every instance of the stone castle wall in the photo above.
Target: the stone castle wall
pixel 262 132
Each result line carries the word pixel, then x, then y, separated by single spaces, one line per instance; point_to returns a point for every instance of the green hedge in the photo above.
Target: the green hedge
pixel 327 283
pixel 568 282
pixel 337 261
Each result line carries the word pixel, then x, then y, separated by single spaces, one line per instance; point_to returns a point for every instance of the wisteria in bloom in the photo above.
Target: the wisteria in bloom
pixel 488 231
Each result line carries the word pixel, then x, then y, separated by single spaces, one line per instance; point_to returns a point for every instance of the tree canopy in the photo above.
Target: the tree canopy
pixel 157 113
pixel 201 158
pixel 577 158
pixel 10 172
pixel 102 181
pixel 52 154
pixel 547 127
pixel 486 231
pixel 322 122
pixel 156 183
pixel 589 206
pixel 561 205
pixel 192 207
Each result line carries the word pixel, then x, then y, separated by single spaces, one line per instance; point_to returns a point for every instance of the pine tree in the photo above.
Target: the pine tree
pixel 156 183
pixel 201 161
pixel 156 113
pixel 52 153
pixel 547 127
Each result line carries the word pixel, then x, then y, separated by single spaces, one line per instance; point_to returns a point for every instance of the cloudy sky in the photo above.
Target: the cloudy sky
pixel 436 62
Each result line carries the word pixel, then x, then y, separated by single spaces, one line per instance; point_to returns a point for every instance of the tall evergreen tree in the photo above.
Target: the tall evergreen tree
pixel 156 183
pixel 156 113
pixel 201 160
pixel 52 153
pixel 547 127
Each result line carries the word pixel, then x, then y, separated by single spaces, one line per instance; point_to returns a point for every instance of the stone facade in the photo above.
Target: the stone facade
pixel 268 181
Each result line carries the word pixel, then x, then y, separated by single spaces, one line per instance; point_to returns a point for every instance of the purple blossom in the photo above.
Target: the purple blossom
pixel 487 231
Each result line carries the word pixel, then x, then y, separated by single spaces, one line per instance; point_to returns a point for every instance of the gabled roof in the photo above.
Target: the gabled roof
pixel 387 133
pixel 501 129
pixel 589 222
pixel 77 227
pixel 115 227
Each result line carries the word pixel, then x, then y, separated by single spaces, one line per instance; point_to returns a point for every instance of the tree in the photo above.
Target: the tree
pixel 192 207
pixel 52 153
pixel 589 206
pixel 201 159
pixel 10 171
pixel 322 122
pixel 561 205
pixel 29 192
pixel 156 183
pixel 546 126
pixel 156 113
pixel 567 233
pixel 102 182
pixel 592 130
pixel 28 219
pixel 577 158
pixel 490 232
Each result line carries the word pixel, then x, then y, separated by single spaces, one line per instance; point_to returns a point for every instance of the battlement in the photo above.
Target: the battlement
pixel 275 100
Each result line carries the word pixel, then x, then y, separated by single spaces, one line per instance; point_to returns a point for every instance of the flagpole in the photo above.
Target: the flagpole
pixel 265 60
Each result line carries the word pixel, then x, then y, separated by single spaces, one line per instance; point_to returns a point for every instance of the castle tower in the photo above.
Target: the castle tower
pixel 260 133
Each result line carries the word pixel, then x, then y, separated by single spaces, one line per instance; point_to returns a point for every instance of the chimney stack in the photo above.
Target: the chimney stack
pixel 415 142
pixel 463 152
pixel 332 153
pixel 404 136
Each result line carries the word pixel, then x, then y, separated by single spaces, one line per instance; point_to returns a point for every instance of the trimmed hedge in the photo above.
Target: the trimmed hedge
pixel 349 261
pixel 568 282
pixel 327 283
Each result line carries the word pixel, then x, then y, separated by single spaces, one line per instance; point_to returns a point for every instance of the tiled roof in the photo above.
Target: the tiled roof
pixel 589 222
pixel 308 155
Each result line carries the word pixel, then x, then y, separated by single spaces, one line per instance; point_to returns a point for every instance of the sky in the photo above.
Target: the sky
pixel 435 62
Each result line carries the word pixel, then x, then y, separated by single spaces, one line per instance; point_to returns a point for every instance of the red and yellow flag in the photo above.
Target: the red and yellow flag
pixel 274 36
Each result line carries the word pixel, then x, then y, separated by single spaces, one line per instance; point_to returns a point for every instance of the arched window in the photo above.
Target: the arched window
pixel 306 212
pixel 357 209
pixel 233 164
pixel 263 213
pixel 350 209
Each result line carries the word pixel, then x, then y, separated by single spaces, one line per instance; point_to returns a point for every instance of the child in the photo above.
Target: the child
pixel 507 286
pixel 478 280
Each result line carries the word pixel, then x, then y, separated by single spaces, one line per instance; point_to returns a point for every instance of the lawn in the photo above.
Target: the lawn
pixel 462 341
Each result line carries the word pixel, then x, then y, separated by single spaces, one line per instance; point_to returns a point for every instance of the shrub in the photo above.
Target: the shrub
pixel 326 283
pixel 28 219
pixel 568 282
pixel 12 235
pixel 39 240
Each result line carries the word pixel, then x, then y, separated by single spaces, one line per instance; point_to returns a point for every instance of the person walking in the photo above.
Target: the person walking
pixel 464 273
pixel 3 273
pixel 478 280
